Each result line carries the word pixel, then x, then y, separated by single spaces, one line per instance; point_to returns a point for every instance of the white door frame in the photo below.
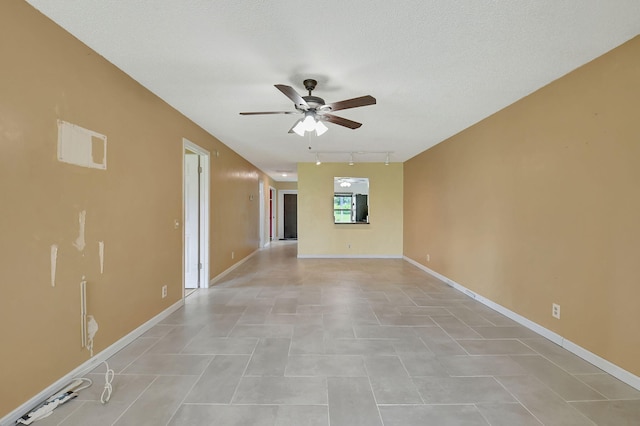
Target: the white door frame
pixel 272 212
pixel 262 216
pixel 204 211
pixel 281 210
pixel 191 221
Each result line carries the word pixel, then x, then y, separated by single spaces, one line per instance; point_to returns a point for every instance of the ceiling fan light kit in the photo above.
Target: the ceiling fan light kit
pixel 308 124
pixel 316 110
pixel 320 128
pixel 298 128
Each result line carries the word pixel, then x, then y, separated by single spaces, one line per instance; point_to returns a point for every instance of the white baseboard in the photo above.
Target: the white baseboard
pixel 617 372
pixel 607 366
pixel 13 416
pixel 349 256
pixel 231 268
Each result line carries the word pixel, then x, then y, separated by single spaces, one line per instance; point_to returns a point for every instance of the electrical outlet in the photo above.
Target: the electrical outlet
pixel 164 291
pixel 555 310
pixel 233 255
pixel 428 258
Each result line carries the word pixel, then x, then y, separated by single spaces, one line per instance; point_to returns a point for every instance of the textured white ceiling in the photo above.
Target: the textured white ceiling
pixel 435 66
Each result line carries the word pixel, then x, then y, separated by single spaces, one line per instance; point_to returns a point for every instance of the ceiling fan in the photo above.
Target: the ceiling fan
pixel 315 110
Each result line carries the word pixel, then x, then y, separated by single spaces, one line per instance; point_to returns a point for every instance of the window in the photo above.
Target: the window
pixel 343 208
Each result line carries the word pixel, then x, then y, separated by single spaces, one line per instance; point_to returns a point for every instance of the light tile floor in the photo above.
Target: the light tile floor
pixel 282 341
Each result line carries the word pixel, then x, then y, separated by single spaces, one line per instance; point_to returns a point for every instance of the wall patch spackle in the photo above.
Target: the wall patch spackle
pixel 54 261
pixel 101 254
pixel 82 147
pixel 79 243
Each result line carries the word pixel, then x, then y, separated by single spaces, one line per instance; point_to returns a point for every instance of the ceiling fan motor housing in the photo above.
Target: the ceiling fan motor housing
pixel 314 101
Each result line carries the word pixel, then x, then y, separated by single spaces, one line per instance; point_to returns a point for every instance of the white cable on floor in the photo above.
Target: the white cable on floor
pixel 88 382
pixel 108 378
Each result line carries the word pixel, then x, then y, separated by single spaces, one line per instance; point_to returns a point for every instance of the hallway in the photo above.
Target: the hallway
pixel 282 341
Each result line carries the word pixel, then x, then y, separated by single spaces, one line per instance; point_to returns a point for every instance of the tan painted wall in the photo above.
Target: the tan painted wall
pixel 318 235
pixel 539 204
pixel 47 75
pixel 286 185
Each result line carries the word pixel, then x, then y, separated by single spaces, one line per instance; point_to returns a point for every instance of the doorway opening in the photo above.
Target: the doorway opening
pixel 195 214
pixel 288 214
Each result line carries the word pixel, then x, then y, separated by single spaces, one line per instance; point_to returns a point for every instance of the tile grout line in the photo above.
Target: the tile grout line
pixel 186 394
pixel 566 371
pixel 517 399
pixel 244 371
pixel 134 400
pixel 70 414
pixel 375 400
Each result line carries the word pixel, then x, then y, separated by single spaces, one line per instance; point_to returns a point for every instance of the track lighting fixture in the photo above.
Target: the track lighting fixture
pixel 363 156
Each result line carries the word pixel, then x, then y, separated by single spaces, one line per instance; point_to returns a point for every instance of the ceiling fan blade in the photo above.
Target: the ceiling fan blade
pixel 290 93
pixel 352 103
pixel 340 121
pixel 269 112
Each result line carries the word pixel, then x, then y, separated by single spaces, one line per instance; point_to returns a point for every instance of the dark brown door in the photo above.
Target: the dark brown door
pixel 362 209
pixel 271 191
pixel 290 216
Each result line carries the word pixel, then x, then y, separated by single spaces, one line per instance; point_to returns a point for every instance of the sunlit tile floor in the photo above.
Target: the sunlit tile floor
pixel 282 341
